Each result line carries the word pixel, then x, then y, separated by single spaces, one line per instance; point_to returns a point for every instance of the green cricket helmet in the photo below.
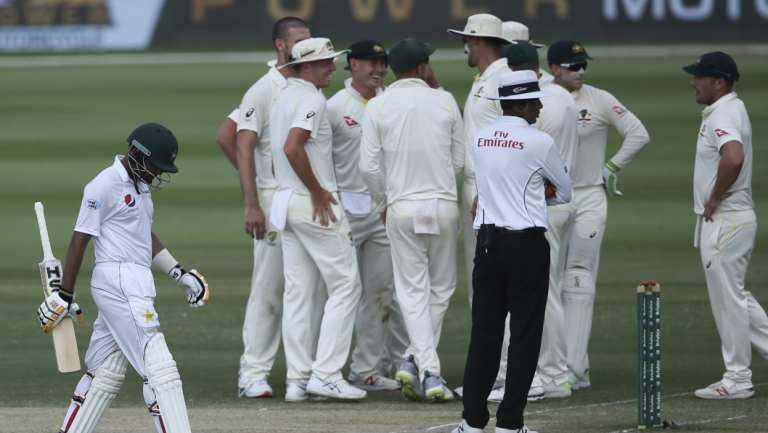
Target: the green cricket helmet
pixel 158 144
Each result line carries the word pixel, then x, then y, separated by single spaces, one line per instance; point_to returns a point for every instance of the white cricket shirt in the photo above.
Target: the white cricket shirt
pixel 597 110
pixel 118 218
pixel 479 111
pixel 302 105
pixel 413 143
pixel 725 120
pixel 345 113
pixel 253 115
pixel 513 159
pixel 558 119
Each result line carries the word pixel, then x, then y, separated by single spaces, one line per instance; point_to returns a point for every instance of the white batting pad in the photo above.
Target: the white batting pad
pixel 105 386
pixel 165 381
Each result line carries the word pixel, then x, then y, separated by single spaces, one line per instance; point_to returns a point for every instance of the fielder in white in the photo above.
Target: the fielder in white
pixel 317 242
pixel 592 176
pixel 483 39
pixel 263 313
pixel 379 329
pixel 726 223
pixel 117 213
pixel 411 152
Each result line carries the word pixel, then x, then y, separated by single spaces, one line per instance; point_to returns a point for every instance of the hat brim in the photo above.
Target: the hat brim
pixel 329 56
pixel 366 57
pixel 530 95
pixel 166 168
pixel 696 71
pixel 536 44
pixel 480 35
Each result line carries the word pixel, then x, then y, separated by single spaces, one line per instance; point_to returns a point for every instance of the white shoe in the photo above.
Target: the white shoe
pixel 435 389
pixel 542 389
pixel 374 382
pixel 257 389
pixel 459 392
pixel 466 428
pixel 407 375
pixel 296 392
pixel 726 390
pixel 523 429
pixel 334 387
pixel 579 382
pixel 536 391
pixel 496 395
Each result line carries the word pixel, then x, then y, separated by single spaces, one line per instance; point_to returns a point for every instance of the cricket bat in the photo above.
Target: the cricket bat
pixel 64 341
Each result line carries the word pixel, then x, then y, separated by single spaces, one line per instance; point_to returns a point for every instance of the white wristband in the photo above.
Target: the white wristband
pixel 164 261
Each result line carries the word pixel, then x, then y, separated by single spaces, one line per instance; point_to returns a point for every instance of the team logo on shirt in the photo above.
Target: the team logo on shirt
pixel 249 113
pixel 129 200
pixel 719 132
pixel 93 204
pixel 585 116
pixel 310 115
pixel 350 121
pixel 619 110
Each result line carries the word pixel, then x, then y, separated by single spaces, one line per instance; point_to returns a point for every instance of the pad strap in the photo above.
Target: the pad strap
pixel 166 383
pixel 105 386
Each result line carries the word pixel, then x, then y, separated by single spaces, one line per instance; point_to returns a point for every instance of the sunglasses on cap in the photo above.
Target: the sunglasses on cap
pixel 574 67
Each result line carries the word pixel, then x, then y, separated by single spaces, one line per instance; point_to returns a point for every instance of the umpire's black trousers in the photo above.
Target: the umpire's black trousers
pixel 511 276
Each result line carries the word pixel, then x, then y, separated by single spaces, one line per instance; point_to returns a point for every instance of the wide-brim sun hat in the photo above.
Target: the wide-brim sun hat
pixel 482 26
pixel 515 31
pixel 518 85
pixel 313 50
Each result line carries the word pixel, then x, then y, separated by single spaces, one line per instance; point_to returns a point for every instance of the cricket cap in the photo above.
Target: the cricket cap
pixel 366 50
pixel 518 85
pixel 515 31
pixel 158 144
pixel 313 50
pixel 523 52
pixel 566 51
pixel 716 64
pixel 409 53
pixel 482 26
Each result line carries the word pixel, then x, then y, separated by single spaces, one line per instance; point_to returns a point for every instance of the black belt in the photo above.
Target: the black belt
pixel 493 228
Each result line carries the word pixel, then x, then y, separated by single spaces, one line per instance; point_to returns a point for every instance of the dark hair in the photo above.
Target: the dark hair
pixel 527 66
pixel 281 26
pixel 511 104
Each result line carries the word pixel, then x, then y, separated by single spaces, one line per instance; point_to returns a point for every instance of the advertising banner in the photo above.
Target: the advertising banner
pixel 53 25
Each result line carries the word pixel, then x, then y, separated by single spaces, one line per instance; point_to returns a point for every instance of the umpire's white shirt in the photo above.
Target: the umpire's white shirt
pixel 413 144
pixel 118 218
pixel 725 120
pixel 302 105
pixel 513 160
pixel 479 111
pixel 253 115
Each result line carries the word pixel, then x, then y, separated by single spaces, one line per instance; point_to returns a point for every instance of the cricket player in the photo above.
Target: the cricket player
pixel 483 40
pixel 412 149
pixel 117 213
pixel 263 313
pixel 317 242
pixel 725 222
pixel 593 177
pixel 380 333
pixel 558 119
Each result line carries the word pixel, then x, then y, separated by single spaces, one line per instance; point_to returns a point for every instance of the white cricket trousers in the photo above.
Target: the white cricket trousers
pixel 469 192
pixel 425 276
pixel 583 258
pixel 726 245
pixel 553 365
pixel 315 256
pixel 380 334
pixel 264 310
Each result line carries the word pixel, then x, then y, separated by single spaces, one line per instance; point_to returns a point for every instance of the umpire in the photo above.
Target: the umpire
pixel 515 164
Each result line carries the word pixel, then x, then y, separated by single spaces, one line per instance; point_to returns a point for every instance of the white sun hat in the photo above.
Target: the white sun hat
pixel 515 31
pixel 517 85
pixel 313 50
pixel 482 26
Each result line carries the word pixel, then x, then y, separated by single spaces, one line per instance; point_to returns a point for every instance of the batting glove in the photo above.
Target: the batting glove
pixel 55 308
pixel 194 284
pixel 611 179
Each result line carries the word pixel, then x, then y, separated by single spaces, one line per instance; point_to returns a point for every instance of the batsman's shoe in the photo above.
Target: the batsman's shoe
pixel 726 390
pixel 579 382
pixel 407 375
pixel 334 387
pixel 496 395
pixel 374 382
pixel 435 389
pixel 542 389
pixel 466 428
pixel 257 389
pixel 523 429
pixel 296 392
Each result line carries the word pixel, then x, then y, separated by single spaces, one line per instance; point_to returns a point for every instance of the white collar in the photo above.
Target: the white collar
pixel 277 76
pixel 348 86
pixel 515 121
pixel 723 99
pixel 493 68
pixel 409 82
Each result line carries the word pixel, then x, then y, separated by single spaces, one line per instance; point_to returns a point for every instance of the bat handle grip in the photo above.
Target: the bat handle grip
pixel 44 239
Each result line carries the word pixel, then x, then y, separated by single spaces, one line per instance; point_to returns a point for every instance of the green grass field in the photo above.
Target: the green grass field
pixel 60 126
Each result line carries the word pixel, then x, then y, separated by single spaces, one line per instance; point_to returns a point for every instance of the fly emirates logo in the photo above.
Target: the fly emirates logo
pixel 500 139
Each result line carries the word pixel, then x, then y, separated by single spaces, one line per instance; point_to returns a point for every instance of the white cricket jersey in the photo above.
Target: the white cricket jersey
pixel 235 114
pixel 413 143
pixel 513 160
pixel 302 105
pixel 479 111
pixel 558 119
pixel 345 113
pixel 597 110
pixel 253 115
pixel 118 217
pixel 725 120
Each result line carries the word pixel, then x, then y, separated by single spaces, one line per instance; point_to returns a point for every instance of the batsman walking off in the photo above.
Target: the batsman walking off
pixel 117 213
